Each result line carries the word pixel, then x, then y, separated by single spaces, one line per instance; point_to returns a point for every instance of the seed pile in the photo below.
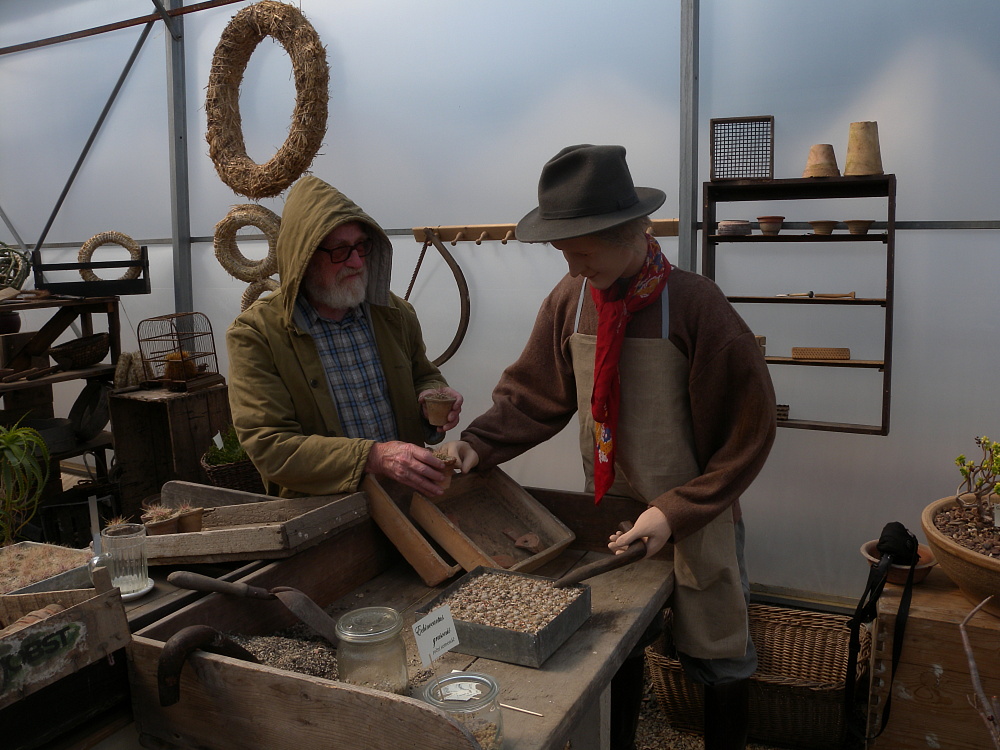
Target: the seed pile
pixel 314 658
pixel 518 603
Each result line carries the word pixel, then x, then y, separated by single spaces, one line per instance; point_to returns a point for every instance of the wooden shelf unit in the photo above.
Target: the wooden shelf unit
pixel 811 188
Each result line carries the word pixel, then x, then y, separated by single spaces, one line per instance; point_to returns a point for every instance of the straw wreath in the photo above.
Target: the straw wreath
pixel 87 251
pixel 227 149
pixel 229 255
pixel 256 289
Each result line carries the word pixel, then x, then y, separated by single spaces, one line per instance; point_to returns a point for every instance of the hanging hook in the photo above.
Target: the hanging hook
pixel 507 237
pixel 483 236
pixel 458 238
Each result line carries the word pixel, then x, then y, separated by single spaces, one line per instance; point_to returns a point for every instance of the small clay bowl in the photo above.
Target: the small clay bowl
pixel 859 226
pixel 770 225
pixel 823 227
pixel 897 573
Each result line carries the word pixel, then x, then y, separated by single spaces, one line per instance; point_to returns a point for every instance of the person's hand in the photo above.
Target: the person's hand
pixel 409 464
pixel 467 457
pixel 651 525
pixel 456 409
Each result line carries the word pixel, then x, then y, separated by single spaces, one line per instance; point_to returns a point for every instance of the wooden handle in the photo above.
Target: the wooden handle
pixel 185 579
pixel 635 551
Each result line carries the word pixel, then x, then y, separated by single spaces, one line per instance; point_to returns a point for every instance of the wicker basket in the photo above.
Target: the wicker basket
pixel 81 352
pixel 797 692
pixel 240 475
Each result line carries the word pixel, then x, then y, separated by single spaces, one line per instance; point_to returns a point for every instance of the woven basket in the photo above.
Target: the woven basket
pixel 797 692
pixel 82 352
pixel 240 475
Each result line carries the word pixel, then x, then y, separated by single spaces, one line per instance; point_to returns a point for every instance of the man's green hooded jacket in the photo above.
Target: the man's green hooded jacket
pixel 283 410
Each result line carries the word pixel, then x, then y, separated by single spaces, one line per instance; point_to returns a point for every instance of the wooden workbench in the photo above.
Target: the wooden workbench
pixel 930 695
pixel 226 703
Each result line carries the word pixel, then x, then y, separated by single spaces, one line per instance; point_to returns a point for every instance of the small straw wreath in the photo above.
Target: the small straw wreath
pixel 227 148
pixel 256 289
pixel 87 251
pixel 229 255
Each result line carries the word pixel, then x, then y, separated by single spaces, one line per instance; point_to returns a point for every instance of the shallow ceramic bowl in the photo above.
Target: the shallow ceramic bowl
pixel 859 226
pixel 898 573
pixel 823 227
pixel 770 224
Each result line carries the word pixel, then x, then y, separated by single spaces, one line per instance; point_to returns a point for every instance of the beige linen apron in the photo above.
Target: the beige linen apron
pixel 654 454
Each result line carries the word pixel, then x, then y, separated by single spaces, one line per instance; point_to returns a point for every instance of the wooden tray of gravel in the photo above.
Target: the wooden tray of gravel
pixel 241 525
pixel 516 618
pixel 482 519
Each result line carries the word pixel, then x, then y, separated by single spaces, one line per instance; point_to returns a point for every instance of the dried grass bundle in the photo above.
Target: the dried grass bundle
pixel 228 253
pixel 227 148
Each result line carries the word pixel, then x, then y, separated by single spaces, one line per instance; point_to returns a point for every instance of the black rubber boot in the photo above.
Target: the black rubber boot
pixel 626 701
pixel 727 714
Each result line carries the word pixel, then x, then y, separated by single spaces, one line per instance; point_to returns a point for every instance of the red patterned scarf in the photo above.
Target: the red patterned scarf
pixel 613 315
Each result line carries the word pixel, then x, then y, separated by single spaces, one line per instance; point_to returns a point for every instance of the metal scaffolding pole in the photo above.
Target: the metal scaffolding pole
pixel 180 206
pixel 687 193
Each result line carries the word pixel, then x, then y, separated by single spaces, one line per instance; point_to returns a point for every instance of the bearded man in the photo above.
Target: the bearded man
pixel 328 375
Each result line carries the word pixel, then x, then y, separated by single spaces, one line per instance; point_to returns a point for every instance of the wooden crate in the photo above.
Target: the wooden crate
pixel 930 694
pixel 226 702
pixel 246 526
pixel 92 626
pixel 161 436
pixel 480 515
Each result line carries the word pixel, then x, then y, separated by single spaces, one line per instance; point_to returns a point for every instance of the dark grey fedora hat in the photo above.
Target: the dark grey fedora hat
pixel 584 189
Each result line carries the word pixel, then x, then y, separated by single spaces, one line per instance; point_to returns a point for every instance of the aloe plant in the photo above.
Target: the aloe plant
pixel 24 471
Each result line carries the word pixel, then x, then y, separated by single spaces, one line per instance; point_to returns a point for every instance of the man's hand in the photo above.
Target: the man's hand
pixel 456 410
pixel 408 464
pixel 651 525
pixel 468 459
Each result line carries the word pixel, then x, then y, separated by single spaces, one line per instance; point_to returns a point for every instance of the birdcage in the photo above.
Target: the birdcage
pixel 178 352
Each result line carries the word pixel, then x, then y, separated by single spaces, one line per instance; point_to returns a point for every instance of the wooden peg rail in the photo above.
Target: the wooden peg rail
pixel 504 233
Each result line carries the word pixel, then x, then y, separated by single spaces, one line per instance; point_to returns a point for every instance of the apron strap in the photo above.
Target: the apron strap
pixel 664 311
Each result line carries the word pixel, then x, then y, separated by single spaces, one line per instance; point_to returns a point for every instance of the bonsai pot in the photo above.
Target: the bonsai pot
pixel 898 573
pixel 976 575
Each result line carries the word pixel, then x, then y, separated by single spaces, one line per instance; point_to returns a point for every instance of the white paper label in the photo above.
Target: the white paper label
pixel 435 634
pixel 218 440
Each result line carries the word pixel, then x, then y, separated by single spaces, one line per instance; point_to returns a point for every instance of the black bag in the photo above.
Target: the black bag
pixel 898 547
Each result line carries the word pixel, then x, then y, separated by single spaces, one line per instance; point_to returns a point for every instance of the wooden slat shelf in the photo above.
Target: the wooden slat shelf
pixel 869 363
pixel 809 424
pixel 844 237
pixel 880 301
pixel 98 371
pixel 882 239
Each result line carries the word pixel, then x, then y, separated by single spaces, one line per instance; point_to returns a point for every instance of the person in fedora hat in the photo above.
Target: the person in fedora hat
pixel 676 410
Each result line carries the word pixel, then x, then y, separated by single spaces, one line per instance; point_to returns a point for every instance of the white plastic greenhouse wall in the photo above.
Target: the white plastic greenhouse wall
pixel 443 112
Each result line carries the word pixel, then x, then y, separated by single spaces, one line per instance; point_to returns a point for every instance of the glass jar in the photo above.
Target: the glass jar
pixel 371 651
pixel 473 700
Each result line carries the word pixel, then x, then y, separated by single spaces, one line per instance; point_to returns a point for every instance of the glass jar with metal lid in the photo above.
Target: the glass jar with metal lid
pixel 473 700
pixel 371 651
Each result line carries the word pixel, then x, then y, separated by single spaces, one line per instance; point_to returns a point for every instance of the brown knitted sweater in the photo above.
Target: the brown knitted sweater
pixel 729 387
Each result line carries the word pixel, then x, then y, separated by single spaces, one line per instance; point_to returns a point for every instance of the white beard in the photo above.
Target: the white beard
pixel 348 291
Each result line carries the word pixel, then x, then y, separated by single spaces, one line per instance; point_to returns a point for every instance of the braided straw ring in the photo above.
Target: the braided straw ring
pixel 102 239
pixel 229 255
pixel 256 289
pixel 226 146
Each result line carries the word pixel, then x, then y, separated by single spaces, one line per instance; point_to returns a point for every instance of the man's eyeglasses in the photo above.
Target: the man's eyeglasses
pixel 342 252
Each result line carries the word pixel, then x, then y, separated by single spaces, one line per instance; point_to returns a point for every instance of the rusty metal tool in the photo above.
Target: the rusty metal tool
pixel 297 602
pixel 635 551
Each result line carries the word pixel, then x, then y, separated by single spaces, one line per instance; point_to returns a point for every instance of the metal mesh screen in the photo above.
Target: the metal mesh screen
pixel 742 148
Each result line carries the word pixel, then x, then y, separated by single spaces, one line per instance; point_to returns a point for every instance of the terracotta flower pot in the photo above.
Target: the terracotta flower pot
pixel 190 520
pixel 166 526
pixel 451 463
pixel 438 408
pixel 899 573
pixel 976 575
